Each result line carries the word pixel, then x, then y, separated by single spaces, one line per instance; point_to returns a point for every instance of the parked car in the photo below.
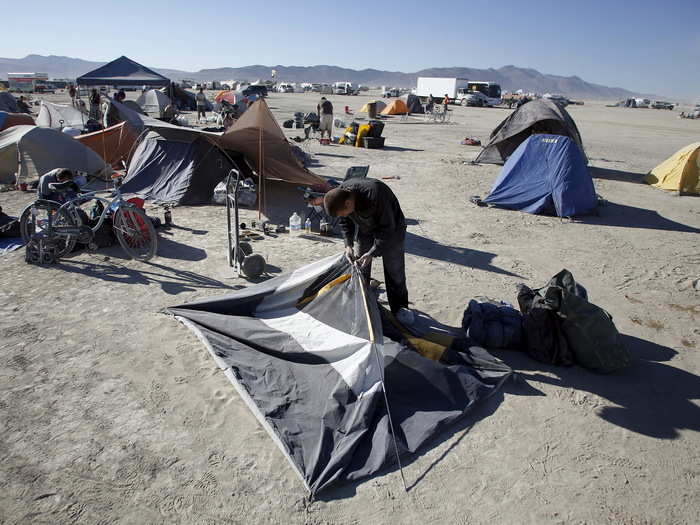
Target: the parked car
pixel 391 93
pixel 475 98
pixel 660 104
pixel 257 89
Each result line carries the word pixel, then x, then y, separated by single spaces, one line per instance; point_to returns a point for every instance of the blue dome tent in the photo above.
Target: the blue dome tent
pixel 546 174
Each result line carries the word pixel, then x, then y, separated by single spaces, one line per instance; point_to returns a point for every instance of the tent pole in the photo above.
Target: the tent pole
pixel 261 181
pixel 381 370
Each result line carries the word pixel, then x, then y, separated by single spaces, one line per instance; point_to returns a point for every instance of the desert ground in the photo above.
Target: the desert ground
pixel 113 412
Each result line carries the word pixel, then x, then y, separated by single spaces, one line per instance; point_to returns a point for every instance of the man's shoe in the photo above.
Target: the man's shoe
pixel 405 316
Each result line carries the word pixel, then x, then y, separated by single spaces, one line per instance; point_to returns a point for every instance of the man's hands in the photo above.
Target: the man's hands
pixel 364 260
pixel 350 254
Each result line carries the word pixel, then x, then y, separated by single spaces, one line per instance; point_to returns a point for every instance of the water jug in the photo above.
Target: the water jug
pixel 294 223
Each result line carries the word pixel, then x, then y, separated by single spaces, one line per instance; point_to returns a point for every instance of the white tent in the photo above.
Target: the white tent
pixel 153 102
pixel 59 116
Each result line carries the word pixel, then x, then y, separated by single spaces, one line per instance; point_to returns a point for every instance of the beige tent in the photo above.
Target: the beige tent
pixel 258 136
pixel 31 151
pixel 397 107
pixel 380 106
pixel 680 172
pixel 113 144
pixel 59 116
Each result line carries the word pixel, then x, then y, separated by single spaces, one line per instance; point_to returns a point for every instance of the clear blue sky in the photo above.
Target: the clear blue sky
pixel 644 45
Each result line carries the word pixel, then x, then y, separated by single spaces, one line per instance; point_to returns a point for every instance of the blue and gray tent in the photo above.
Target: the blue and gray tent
pixel 546 174
pixel 312 356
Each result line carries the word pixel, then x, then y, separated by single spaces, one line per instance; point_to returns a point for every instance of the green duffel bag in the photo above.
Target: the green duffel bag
pixel 589 330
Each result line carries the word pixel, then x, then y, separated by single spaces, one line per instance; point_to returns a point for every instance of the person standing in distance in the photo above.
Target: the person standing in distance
pixel 201 99
pixel 325 114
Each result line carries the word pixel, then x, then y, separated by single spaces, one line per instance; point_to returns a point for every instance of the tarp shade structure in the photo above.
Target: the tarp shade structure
pixel 153 102
pixel 256 132
pixel 380 106
pixel 412 103
pixel 396 107
pixel 113 144
pixel 546 174
pixel 680 172
pixel 8 102
pixel 31 151
pixel 176 166
pixel 7 120
pixel 122 72
pixel 307 352
pixel 537 116
pixel 59 116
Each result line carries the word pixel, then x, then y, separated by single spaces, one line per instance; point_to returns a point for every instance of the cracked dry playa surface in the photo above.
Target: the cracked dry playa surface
pixel 111 412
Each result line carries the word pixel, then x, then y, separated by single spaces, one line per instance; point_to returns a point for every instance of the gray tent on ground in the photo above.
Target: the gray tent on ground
pixel 180 166
pixel 31 151
pixel 153 103
pixel 412 103
pixel 8 102
pixel 322 366
pixel 540 116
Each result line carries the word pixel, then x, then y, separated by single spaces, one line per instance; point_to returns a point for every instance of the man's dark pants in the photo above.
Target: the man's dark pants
pixel 394 269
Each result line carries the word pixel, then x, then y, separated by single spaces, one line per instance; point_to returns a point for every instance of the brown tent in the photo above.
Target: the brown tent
pixel 258 136
pixel 113 144
pixel 7 120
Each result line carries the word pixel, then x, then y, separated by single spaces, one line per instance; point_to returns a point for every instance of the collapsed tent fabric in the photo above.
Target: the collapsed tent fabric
pixel 122 72
pixel 307 352
pixel 153 102
pixel 7 120
pixel 256 132
pixel 545 174
pixel 380 106
pixel 412 103
pixel 31 151
pixel 113 144
pixel 8 102
pixel 397 107
pixel 680 172
pixel 59 116
pixel 537 116
pixel 176 166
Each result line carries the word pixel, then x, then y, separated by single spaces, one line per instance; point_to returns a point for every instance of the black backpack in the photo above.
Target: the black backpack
pixel 493 324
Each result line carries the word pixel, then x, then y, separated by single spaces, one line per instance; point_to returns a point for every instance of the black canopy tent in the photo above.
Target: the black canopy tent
pixel 122 72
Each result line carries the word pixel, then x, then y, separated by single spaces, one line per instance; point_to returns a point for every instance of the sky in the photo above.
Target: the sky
pixel 642 45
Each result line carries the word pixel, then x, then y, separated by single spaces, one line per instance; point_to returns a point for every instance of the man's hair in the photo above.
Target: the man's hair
pixel 64 174
pixel 323 98
pixel 334 200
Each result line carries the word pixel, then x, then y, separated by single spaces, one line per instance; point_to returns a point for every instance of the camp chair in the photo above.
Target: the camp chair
pixel 356 172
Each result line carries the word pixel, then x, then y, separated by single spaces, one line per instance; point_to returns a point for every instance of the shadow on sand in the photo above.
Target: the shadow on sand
pixel 623 176
pixel 424 247
pixel 652 398
pixel 621 215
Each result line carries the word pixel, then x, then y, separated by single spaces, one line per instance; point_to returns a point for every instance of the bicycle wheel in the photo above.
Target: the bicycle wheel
pixel 29 226
pixel 135 233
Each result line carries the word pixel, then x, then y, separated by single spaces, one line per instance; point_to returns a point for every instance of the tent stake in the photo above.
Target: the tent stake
pixel 381 371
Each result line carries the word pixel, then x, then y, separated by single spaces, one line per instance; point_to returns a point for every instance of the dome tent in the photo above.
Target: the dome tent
pixel 680 172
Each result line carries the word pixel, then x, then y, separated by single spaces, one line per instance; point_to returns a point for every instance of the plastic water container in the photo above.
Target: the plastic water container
pixel 307 226
pixel 295 223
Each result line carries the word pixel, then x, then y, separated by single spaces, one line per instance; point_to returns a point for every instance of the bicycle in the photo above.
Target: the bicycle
pixel 51 237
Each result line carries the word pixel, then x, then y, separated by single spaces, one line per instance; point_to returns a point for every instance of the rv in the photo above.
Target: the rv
pixel 455 88
pixel 482 94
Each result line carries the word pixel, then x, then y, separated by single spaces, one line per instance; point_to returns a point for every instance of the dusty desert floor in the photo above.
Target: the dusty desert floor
pixel 112 412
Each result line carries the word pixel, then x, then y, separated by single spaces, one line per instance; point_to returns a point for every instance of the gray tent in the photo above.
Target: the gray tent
pixel 58 116
pixel 312 355
pixel 178 166
pixel 540 116
pixel 153 102
pixel 8 102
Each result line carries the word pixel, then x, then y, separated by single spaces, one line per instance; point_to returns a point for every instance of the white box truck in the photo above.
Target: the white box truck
pixel 455 88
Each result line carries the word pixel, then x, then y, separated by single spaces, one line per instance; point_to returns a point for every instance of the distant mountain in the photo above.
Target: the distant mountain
pixel 510 77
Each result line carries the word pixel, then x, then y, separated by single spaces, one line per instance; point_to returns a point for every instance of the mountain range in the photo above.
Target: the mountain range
pixel 510 77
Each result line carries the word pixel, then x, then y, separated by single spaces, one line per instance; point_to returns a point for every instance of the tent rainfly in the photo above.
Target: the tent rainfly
pixel 537 116
pixel 113 144
pixel 330 378
pixel 680 172
pixel 122 72
pixel 59 116
pixel 8 102
pixel 153 102
pixel 380 106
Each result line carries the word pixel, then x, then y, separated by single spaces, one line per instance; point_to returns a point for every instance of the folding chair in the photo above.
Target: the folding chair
pixel 356 172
